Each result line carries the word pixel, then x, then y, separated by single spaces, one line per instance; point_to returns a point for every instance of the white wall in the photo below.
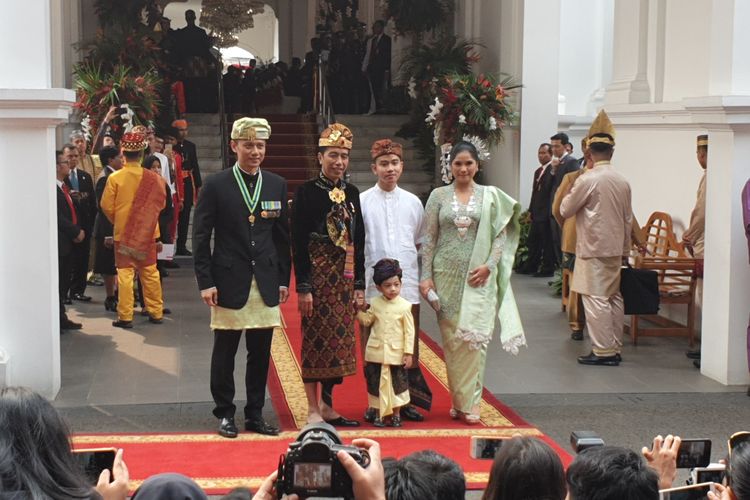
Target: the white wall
pixel 585 59
pixel 263 38
pixel 686 48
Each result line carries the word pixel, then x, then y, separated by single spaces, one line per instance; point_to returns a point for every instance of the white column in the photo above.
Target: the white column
pixel 29 112
pixel 730 39
pixel 541 63
pixel 727 271
pixel 629 84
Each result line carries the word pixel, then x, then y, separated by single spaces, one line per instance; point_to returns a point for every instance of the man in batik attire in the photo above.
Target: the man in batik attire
pixel 328 240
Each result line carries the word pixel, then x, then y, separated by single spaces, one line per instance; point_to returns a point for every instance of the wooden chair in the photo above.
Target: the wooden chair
pixel 676 280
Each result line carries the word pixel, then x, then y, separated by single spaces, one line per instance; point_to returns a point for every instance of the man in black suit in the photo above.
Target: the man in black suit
pixel 377 63
pixel 191 179
pixel 247 275
pixel 540 207
pixel 69 236
pixel 104 263
pixel 82 191
pixel 562 163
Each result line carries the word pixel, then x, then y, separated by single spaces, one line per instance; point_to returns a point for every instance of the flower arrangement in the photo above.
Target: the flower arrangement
pixel 97 90
pixel 424 67
pixel 473 108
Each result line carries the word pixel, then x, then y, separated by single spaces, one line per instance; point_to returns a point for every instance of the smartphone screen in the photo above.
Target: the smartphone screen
pixel 692 492
pixel 485 448
pixel 694 453
pixel 94 461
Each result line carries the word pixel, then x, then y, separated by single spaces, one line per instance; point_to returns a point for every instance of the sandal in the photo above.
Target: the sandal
pixel 378 422
pixel 395 421
pixel 453 413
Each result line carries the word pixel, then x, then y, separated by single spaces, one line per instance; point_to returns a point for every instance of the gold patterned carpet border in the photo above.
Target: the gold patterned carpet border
pixel 289 436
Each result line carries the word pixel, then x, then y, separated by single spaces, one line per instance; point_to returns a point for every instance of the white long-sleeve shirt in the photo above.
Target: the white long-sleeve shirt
pixel 393 223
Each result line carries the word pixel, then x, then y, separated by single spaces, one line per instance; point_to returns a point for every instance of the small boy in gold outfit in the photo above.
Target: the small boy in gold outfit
pixel 390 345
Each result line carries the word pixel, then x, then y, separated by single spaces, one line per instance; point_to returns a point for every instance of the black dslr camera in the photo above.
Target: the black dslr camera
pixel 310 466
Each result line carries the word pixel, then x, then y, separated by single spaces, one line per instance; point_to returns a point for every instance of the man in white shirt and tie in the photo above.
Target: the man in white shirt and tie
pixel 393 222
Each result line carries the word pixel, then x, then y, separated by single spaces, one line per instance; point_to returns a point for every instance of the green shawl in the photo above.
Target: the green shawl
pixel 475 323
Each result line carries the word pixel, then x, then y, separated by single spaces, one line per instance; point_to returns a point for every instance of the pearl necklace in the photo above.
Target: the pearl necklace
pixel 462 217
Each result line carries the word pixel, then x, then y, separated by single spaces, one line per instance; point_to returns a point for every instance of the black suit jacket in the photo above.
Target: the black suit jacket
pixel 568 164
pixel 380 55
pixel 102 226
pixel 86 206
pixel 540 206
pixel 241 250
pixel 66 230
pixel 190 160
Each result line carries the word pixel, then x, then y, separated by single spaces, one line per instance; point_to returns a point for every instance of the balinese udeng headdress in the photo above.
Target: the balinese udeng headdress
pixel 337 135
pixel 133 142
pixel 386 147
pixel 602 130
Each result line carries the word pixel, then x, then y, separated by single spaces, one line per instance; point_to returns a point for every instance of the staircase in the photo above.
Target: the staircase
pixel 291 150
pixel 368 129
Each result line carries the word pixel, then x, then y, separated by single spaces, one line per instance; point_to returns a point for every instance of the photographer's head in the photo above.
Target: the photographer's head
pixel 35 455
pixel 526 467
pixel 446 475
pixel 738 471
pixel 611 473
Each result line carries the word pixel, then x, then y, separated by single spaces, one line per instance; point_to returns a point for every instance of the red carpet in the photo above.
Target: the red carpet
pixel 219 464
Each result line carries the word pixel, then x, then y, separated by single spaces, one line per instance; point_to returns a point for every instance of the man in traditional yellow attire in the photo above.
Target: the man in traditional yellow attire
pixel 600 199
pixel 132 200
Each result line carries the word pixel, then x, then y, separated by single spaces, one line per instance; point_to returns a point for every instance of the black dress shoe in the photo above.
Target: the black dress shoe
pixel 576 335
pixel 227 428
pixel 80 297
pixel 261 427
pixel 70 325
pixel 110 304
pixel 370 415
pixel 163 273
pixel 170 264
pixel 342 422
pixel 184 252
pixel 410 413
pixel 156 321
pixel 121 323
pixel 67 301
pixel 697 363
pixel 166 311
pixel 618 357
pixel 696 354
pixel 593 359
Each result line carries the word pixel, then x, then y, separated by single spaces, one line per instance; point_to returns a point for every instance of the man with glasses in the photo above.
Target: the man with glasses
pixel 82 192
pixel 68 234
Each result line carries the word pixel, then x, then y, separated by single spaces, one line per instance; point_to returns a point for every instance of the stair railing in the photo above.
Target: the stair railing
pixel 323 104
pixel 223 126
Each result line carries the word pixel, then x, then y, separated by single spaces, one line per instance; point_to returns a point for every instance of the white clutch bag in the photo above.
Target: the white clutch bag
pixel 433 299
